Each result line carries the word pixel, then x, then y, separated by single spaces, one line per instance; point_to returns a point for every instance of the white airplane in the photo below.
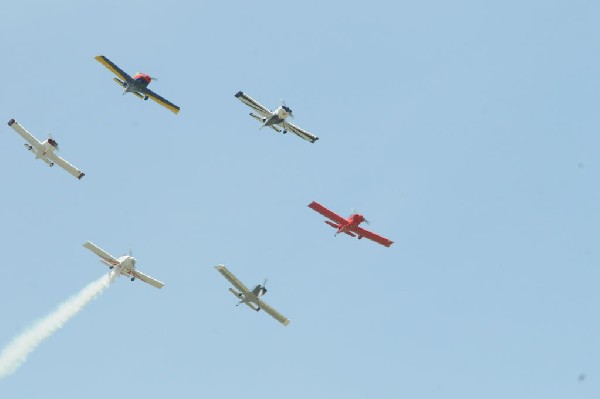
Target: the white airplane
pixel 276 119
pixel 125 265
pixel 251 298
pixel 45 150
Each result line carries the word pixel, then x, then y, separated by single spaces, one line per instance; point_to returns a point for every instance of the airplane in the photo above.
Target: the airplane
pixel 275 119
pixel 138 84
pixel 350 225
pixel 45 150
pixel 251 298
pixel 124 265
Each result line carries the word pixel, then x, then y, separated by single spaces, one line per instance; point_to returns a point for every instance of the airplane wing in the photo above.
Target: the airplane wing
pixel 66 166
pixel 113 68
pixel 253 104
pixel 300 132
pixel 147 279
pixel 25 134
pixel 108 258
pixel 326 212
pixel 232 279
pixel 167 104
pixel 372 236
pixel 273 313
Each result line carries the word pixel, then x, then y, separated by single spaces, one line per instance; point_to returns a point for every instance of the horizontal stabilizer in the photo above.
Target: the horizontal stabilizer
pixel 120 82
pixel 258 118
pixel 335 226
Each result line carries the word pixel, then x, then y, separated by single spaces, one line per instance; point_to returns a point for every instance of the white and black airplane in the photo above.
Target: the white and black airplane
pixel 124 265
pixel 276 119
pixel 44 150
pixel 251 298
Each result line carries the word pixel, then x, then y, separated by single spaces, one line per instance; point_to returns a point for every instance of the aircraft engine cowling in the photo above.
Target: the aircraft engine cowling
pixel 53 143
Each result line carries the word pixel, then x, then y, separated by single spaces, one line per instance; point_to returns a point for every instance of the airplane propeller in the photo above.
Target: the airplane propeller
pixel 354 211
pixel 130 254
pixel 286 108
pixel 53 142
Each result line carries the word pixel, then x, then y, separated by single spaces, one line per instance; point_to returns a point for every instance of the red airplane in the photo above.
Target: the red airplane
pixel 350 225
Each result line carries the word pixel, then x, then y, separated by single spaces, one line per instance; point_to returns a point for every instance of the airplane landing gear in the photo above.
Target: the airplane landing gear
pixel 145 98
pixel 133 278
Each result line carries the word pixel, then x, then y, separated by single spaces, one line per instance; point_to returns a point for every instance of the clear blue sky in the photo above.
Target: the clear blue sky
pixel 467 132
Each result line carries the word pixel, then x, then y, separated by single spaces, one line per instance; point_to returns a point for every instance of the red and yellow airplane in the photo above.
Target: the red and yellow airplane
pixel 350 225
pixel 138 84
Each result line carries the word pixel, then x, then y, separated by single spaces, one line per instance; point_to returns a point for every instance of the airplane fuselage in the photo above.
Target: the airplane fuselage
pixel 252 297
pixel 126 265
pixel 137 85
pixel 48 147
pixel 352 222
pixel 348 226
pixel 278 116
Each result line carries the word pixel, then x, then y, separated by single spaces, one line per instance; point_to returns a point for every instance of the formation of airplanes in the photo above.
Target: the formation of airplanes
pixel 276 120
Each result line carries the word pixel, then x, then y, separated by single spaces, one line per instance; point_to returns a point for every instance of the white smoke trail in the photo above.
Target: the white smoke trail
pixel 16 352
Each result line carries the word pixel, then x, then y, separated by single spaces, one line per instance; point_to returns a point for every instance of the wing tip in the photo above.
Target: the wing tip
pixel 219 267
pixel 286 322
pixel 80 175
pixel 11 122
pixel 239 94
